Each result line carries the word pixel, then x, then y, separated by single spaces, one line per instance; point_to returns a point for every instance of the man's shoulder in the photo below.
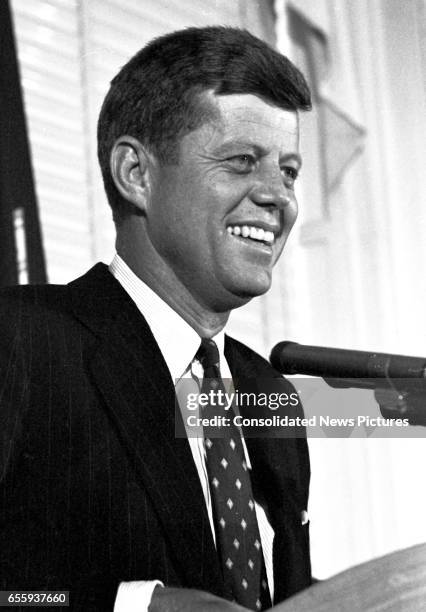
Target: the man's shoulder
pixel 32 298
pixel 39 304
pixel 36 298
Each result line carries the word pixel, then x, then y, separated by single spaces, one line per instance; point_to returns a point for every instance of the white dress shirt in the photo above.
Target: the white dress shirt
pixel 178 342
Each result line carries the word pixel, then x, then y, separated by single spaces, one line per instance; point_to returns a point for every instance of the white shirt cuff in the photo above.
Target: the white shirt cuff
pixel 135 596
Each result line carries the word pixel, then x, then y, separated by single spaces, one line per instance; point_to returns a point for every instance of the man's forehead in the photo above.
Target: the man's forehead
pixel 246 119
pixel 240 108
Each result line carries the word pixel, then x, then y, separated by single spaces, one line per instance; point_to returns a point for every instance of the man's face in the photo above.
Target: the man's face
pixel 220 216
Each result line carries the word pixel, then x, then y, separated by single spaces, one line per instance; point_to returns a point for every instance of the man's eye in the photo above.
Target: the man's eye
pixel 242 163
pixel 290 174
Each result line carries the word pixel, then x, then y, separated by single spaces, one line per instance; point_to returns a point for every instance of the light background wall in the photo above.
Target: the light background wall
pixel 353 273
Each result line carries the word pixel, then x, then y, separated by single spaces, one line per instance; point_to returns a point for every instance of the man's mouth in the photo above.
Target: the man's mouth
pixel 251 232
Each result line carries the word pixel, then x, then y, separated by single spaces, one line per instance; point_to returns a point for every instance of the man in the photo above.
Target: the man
pixel 198 146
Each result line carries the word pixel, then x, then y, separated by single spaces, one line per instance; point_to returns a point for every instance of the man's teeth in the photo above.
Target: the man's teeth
pixel 254 233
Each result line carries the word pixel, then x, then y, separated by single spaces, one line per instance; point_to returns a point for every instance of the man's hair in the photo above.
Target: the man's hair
pixel 157 96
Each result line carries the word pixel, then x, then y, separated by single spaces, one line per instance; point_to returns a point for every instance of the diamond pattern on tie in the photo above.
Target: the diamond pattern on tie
pixel 237 533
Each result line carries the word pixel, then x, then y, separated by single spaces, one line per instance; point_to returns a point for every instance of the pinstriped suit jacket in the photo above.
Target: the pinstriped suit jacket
pixel 94 486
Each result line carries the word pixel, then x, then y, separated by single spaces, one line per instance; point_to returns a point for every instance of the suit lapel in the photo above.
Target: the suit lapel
pixel 132 376
pixel 278 457
pixel 280 479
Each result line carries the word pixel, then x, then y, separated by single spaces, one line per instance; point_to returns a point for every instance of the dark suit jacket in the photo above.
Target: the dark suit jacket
pixel 95 488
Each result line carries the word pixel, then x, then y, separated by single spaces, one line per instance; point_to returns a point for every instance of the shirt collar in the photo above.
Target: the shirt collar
pixel 177 340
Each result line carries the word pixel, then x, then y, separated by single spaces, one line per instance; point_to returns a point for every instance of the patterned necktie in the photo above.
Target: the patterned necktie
pixel 237 533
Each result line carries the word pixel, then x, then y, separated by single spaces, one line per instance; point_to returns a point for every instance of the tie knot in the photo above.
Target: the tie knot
pixel 208 354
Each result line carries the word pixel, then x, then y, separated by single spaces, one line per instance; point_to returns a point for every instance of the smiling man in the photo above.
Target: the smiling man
pixel 212 224
pixel 199 150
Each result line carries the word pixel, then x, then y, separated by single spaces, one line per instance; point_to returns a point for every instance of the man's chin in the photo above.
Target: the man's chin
pixel 234 288
pixel 243 292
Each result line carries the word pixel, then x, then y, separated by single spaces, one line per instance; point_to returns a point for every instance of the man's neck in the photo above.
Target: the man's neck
pixel 205 322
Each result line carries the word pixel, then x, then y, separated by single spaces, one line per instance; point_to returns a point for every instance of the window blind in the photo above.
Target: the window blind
pixel 69 50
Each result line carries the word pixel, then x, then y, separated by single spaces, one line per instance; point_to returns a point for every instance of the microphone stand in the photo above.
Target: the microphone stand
pixel 397 398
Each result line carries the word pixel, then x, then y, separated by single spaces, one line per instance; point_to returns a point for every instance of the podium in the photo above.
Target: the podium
pixel 393 583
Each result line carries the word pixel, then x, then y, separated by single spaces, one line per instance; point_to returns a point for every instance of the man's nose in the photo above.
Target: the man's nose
pixel 271 191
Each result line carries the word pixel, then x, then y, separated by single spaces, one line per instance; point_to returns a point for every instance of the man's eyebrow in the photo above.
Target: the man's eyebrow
pixel 291 157
pixel 232 145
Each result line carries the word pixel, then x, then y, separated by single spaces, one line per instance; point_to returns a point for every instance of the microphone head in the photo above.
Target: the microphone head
pixel 277 361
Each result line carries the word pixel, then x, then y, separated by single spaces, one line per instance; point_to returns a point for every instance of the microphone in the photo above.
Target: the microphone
pixel 294 358
pixel 398 381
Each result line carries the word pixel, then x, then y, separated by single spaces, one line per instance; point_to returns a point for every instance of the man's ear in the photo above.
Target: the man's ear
pixel 131 170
